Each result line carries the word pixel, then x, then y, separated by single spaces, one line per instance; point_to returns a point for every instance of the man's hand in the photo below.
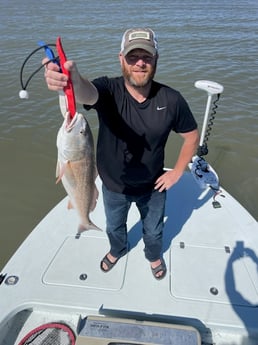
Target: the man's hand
pixel 85 91
pixel 55 80
pixel 167 180
pixel 188 148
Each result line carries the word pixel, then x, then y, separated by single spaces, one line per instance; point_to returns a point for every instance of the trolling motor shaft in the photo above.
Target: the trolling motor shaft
pixel 212 88
pixel 203 173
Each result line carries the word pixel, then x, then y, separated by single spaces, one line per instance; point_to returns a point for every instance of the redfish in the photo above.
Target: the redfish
pixel 76 167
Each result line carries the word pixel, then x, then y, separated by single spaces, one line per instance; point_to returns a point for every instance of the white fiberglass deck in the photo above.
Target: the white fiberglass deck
pixel 210 253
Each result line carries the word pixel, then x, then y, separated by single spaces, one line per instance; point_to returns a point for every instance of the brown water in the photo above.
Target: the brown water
pixel 198 40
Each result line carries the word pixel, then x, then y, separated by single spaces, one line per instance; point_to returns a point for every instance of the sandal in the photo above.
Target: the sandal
pixel 161 268
pixel 109 264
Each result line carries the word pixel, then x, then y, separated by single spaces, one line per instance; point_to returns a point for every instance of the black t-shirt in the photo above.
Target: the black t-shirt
pixel 132 136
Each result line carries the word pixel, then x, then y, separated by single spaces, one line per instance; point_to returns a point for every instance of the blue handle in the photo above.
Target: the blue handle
pixel 49 52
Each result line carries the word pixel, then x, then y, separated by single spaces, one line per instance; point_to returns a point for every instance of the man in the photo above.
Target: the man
pixel 136 115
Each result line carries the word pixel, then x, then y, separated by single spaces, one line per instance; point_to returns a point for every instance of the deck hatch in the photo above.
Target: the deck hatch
pixel 70 267
pixel 213 274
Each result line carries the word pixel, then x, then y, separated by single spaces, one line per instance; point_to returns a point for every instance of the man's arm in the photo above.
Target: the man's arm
pixel 188 150
pixel 85 92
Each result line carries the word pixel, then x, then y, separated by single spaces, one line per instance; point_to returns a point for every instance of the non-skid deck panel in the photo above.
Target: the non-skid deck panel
pixel 211 274
pixel 77 263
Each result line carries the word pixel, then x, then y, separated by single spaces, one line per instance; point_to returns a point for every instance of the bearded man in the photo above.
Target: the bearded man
pixel 136 114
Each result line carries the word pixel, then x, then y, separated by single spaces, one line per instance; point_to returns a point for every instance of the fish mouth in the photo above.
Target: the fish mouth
pixel 69 121
pixel 77 121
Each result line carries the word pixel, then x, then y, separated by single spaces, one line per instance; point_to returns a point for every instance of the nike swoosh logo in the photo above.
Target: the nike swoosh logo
pixel 160 108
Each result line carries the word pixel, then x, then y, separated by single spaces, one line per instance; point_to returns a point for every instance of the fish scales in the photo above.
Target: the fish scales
pixel 76 167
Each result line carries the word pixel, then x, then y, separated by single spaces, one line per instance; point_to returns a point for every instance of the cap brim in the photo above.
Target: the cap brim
pixel 137 45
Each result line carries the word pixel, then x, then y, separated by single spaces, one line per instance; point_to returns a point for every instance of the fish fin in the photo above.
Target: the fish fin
pixel 94 199
pixel 60 170
pixel 90 226
pixel 70 205
pixel 58 179
pixel 96 173
pixel 57 172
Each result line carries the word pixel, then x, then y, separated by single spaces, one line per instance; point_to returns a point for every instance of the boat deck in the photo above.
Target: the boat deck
pixel 211 283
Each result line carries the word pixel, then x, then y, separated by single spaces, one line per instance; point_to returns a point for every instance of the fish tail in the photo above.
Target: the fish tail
pixel 90 226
